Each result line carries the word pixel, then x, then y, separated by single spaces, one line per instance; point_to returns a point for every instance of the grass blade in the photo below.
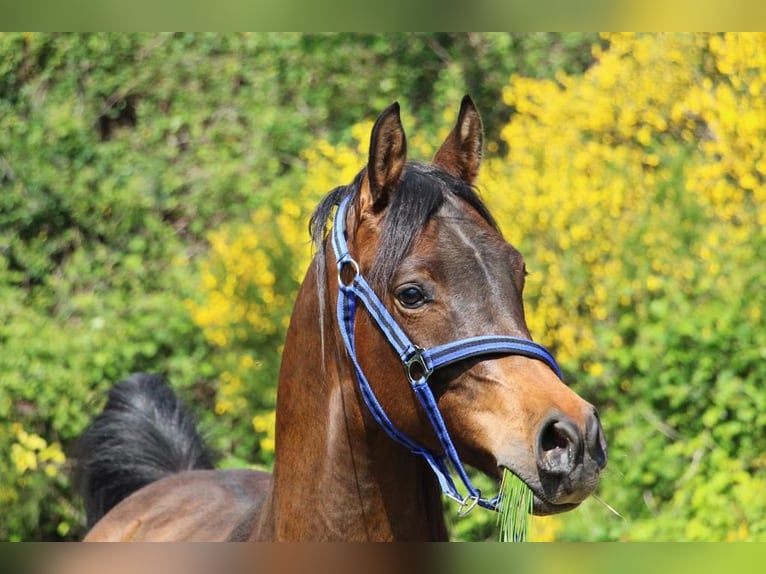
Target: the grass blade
pixel 515 511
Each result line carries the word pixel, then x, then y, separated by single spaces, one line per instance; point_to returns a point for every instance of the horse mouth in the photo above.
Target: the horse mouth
pixel 544 508
pixel 541 505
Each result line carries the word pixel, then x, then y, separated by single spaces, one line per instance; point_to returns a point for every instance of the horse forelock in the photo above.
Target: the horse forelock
pixel 421 193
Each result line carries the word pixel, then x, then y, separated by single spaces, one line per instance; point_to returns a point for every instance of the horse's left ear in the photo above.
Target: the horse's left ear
pixel 388 154
pixel 460 153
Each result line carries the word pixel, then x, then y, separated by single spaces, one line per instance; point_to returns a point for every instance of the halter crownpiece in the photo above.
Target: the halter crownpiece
pixel 418 365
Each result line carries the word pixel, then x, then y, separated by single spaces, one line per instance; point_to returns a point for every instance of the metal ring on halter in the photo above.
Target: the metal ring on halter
pixel 342 265
pixel 468 504
pixel 416 367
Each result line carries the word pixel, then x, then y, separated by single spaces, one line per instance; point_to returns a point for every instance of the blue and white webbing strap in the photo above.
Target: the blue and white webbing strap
pixel 418 364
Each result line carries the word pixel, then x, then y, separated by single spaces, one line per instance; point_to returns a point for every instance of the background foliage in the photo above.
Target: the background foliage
pixel 155 194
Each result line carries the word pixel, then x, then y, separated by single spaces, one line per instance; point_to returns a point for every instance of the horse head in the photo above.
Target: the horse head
pixel 436 261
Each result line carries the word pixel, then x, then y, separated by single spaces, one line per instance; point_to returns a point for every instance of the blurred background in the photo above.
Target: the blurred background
pixel 155 191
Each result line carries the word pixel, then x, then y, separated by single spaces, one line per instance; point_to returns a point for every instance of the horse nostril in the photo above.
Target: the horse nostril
pixel 559 444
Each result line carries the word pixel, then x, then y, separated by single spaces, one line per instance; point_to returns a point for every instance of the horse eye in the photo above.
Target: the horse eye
pixel 411 297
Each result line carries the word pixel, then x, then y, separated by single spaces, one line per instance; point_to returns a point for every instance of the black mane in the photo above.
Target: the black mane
pixel 422 191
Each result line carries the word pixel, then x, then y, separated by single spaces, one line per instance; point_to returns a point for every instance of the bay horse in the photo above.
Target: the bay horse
pixel 407 357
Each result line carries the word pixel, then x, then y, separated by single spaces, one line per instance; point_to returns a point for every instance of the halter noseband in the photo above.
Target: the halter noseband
pixel 418 365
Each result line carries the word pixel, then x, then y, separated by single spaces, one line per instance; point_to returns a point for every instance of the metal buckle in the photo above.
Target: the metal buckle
pixel 416 367
pixel 468 504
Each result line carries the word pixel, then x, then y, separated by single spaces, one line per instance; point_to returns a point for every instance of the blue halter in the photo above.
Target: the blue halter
pixel 418 365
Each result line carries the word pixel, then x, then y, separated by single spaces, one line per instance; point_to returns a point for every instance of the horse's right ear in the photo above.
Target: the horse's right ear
pixel 388 154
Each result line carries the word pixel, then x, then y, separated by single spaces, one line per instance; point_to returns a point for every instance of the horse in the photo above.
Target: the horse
pixel 407 358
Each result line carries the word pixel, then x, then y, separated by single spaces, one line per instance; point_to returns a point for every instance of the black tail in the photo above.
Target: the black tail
pixel 143 434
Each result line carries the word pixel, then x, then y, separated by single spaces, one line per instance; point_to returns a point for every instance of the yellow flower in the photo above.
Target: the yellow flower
pixel 23 459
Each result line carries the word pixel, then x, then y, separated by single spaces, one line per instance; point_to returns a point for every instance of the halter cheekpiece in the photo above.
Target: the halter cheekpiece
pixel 418 365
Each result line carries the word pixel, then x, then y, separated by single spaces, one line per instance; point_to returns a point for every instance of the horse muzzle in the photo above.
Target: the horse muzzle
pixel 569 458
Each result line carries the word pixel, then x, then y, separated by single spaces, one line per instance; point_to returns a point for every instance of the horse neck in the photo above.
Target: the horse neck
pixel 337 476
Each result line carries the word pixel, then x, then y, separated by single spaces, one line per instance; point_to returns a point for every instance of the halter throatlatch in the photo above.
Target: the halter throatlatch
pixel 418 365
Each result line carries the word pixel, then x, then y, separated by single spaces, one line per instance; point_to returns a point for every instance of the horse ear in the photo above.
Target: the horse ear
pixel 461 152
pixel 388 154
